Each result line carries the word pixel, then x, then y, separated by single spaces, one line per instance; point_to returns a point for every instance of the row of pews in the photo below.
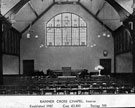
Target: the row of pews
pixel 40 85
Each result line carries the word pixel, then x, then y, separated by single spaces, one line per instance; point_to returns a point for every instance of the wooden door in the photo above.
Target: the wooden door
pixel 28 67
pixel 106 63
pixel 1 62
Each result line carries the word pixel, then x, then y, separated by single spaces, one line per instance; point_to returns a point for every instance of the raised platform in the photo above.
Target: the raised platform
pixel 66 76
pixel 98 75
pixel 68 72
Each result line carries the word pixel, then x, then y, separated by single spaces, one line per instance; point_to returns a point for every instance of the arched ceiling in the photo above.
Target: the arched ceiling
pixel 29 11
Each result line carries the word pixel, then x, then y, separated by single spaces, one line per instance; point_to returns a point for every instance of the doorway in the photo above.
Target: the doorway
pixel 106 63
pixel 28 67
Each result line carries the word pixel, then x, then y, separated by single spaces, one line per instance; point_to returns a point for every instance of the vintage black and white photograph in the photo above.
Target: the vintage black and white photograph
pixel 67 48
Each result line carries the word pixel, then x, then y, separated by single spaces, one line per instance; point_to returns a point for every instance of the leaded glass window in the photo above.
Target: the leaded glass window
pixel 66 29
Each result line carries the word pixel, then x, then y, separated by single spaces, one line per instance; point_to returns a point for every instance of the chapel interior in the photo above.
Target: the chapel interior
pixel 67 47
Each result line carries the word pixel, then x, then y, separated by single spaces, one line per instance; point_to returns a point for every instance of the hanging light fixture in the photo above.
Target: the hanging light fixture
pixel 104 34
pixel 105 52
pixel 99 36
pixel 36 36
pixel 42 45
pixel 108 35
pixel 104 30
pixel 28 35
pixel 93 44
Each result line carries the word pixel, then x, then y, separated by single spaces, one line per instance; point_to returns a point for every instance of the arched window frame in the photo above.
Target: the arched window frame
pixel 81 41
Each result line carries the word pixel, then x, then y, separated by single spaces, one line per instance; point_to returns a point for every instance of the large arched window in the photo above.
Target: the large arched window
pixel 66 29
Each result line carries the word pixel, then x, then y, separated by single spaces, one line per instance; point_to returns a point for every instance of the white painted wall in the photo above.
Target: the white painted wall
pixel 76 57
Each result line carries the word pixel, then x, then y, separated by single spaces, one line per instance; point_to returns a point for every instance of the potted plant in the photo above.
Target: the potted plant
pixel 99 68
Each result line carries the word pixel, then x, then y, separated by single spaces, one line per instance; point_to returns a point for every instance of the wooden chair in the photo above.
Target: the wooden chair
pixel 85 89
pixel 73 88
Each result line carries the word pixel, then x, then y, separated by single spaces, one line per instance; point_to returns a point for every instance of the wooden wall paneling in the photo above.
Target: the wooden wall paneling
pixel 9 46
pixel 121 41
pixel 10 42
pixel 116 44
pixel 3 42
pixel 17 42
pixel 1 61
pixel 116 39
pixel 115 51
pixel 123 44
pixel 6 45
pixel 7 42
pixel 125 40
pixel 13 43
pixel 9 37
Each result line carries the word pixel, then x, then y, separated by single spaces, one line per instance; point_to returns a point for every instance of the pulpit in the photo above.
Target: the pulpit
pixel 66 71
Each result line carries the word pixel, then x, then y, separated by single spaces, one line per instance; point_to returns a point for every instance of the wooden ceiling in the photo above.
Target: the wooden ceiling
pixel 22 13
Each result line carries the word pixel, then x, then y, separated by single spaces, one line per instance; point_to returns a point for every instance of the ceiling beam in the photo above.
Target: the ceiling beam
pixel 39 16
pixel 49 7
pixel 62 3
pixel 133 6
pixel 123 13
pixel 100 9
pixel 16 8
pixel 94 16
pixel 33 10
pixel 66 2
